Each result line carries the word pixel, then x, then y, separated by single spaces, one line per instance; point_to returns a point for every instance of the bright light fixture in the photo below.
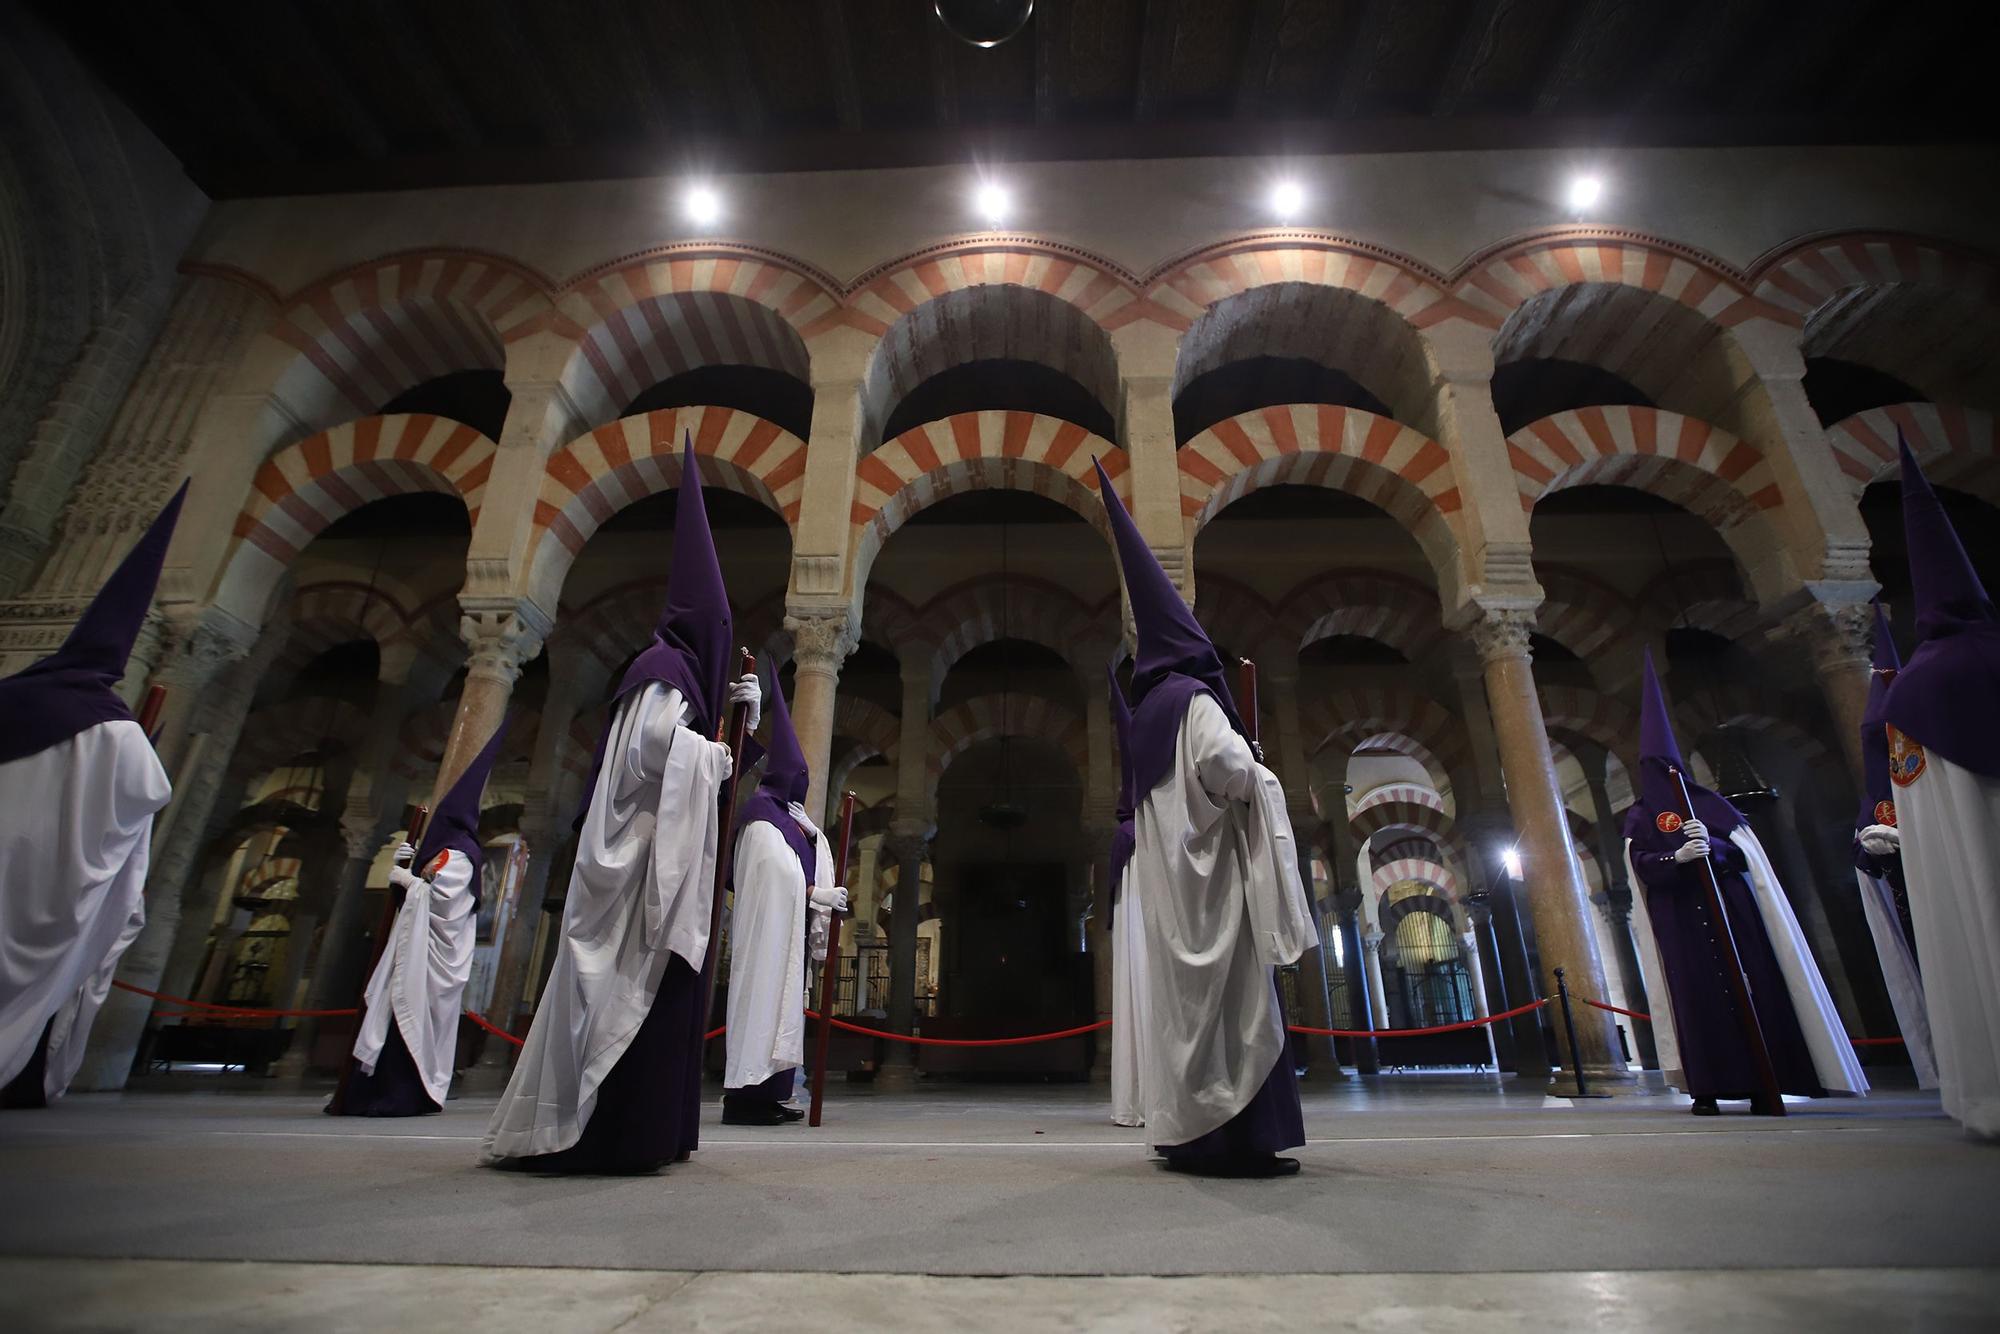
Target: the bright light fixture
pixel 1287 198
pixel 993 202
pixel 703 204
pixel 1585 191
pixel 1510 858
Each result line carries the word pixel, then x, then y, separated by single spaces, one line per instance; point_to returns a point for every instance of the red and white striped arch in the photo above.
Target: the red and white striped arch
pixel 1802 277
pixel 358 339
pixel 1582 615
pixel 1398 612
pixel 595 475
pixel 1597 717
pixel 304 487
pixel 801 297
pixel 884 295
pixel 963 618
pixel 1237 617
pixel 1394 720
pixel 1497 282
pixel 891 622
pixel 1703 594
pixel 332 612
pixel 1700 467
pixel 1188 286
pixel 1435 874
pixel 986 717
pixel 277 734
pixel 1957 446
pixel 871 729
pixel 975 451
pixel 1382 461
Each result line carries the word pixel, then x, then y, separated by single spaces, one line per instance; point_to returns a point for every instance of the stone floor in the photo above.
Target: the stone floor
pixel 1425 1203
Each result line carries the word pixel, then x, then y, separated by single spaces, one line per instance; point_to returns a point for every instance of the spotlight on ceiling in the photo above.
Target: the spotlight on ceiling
pixel 1585 191
pixel 983 22
pixel 702 204
pixel 1287 198
pixel 993 202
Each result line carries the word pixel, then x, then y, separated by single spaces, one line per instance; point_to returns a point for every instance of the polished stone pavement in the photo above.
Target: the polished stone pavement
pixel 1406 1180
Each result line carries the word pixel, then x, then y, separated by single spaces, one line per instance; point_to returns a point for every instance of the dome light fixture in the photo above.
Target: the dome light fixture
pixel 983 23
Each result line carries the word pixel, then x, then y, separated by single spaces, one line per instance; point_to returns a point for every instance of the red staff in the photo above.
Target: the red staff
pixel 738 734
pixel 1769 1102
pixel 149 712
pixel 830 970
pixel 1246 702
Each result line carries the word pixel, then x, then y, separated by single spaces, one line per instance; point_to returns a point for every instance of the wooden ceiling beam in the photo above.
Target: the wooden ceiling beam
pixel 1476 36
pixel 840 63
pixel 1260 48
pixel 1374 21
pixel 1155 50
pixel 529 73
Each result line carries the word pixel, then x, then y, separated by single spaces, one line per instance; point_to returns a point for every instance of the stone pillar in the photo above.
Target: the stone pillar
pixel 1839 636
pixel 1378 993
pixel 1480 911
pixel 821 641
pixel 908 847
pixel 1557 895
pixel 1617 907
pixel 1360 1004
pixel 501 637
pixel 1468 945
pixel 211 676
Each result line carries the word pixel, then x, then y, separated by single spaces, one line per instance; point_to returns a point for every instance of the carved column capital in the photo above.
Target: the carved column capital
pixel 361 831
pixel 1501 634
pixel 821 641
pixel 1840 635
pixel 500 640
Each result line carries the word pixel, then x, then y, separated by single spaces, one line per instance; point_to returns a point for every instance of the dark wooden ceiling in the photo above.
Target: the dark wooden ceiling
pixel 284 96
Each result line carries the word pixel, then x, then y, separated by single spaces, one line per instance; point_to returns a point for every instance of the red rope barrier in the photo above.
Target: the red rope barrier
pixel 1634 1014
pixel 193 1007
pixel 1418 1032
pixel 962 1042
pixel 494 1029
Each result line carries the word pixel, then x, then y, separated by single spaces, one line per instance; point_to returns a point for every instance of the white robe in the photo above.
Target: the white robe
pixel 640 893
pixel 767 955
pixel 1826 1037
pixel 1128 1007
pixel 76 822
pixel 419 982
pixel 1899 974
pixel 1950 821
pixel 1215 877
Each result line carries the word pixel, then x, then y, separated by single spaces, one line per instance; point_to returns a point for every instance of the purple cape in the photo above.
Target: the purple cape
pixel 1947 698
pixel 76 687
pixel 1659 793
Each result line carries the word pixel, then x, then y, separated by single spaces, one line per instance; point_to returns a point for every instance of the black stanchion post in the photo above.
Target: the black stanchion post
pixel 1569 1028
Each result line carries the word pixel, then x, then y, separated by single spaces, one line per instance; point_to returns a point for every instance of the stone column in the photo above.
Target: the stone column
pixel 1378 992
pixel 1557 895
pixel 1480 912
pixel 1468 945
pixel 1617 907
pixel 821 641
pixel 1839 636
pixel 909 847
pixel 501 636
pixel 212 676
pixel 1360 1004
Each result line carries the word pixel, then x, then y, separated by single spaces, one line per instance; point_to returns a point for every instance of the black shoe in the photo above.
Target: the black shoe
pixel 757 1114
pixel 1257 1167
pixel 792 1113
pixel 1705 1107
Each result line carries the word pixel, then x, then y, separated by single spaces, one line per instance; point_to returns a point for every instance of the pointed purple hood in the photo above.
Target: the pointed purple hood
pixel 1875 785
pixel 1947 698
pixel 455 822
pixel 76 687
pixel 691 644
pixel 785 780
pixel 1122 836
pixel 1174 660
pixel 1659 793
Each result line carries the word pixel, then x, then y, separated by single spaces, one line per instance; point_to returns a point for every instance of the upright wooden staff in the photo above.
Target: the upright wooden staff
pixel 1246 702
pixel 1770 1102
pixel 830 971
pixel 738 736
pixel 149 712
pixel 382 929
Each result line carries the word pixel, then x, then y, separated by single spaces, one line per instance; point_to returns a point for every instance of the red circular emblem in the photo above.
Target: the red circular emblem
pixel 1906 759
pixel 437 864
pixel 1885 813
pixel 1666 822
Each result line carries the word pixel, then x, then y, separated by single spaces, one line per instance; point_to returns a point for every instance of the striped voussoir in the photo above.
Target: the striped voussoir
pixel 277 734
pixel 1744 706
pixel 304 487
pixel 1382 461
pixel 1498 283
pixel 888 619
pixel 1383 607
pixel 1581 614
pixel 867 723
pixel 885 296
pixel 802 299
pixel 1191 286
pixel 1023 451
pixel 964 618
pixel 986 717
pixel 1597 717
pixel 1394 720
pixel 1698 466
pixel 1802 278
pixel 1705 595
pixel 366 335
pixel 1952 442
pixel 595 475
pixel 330 612
pixel 1435 874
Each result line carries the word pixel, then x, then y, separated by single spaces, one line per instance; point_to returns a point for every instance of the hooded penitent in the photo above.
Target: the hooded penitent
pixel 454 825
pixel 1121 837
pixel 1653 824
pixel 1174 660
pixel 77 686
pixel 784 783
pixel 1944 697
pixel 1878 794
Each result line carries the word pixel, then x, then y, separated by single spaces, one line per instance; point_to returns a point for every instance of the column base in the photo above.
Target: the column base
pixel 895 1077
pixel 1603 1083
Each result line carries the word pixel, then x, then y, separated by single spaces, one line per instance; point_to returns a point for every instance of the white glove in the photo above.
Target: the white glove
pixel 745 689
pixel 401 878
pixel 1879 840
pixel 1695 829
pixel 817 937
pixel 728 760
pixel 1692 850
pixel 830 900
pixel 405 854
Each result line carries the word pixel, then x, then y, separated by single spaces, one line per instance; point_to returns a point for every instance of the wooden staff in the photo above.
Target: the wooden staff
pixel 830 971
pixel 739 734
pixel 382 930
pixel 1246 702
pixel 149 712
pixel 1770 1102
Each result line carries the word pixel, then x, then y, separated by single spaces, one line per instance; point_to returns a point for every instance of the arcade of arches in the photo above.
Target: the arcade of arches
pixel 1446 511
